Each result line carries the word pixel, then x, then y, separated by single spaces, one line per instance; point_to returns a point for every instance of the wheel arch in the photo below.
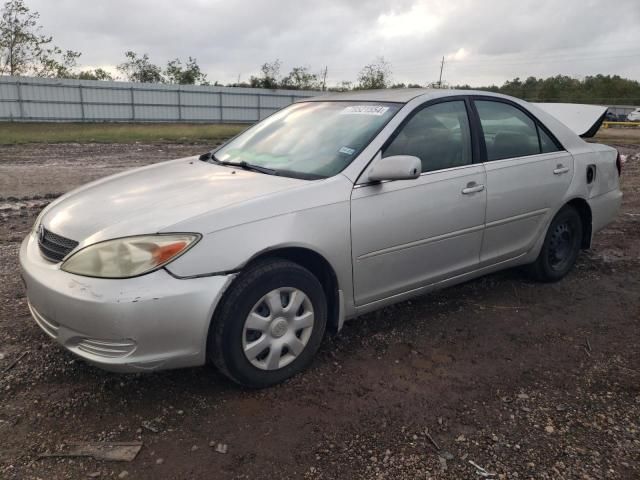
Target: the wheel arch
pixel 586 217
pixel 318 265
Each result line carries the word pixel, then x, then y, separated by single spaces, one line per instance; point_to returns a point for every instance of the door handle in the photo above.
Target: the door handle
pixel 560 169
pixel 472 187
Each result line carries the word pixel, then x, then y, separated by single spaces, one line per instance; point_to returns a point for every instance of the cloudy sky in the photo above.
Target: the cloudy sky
pixel 483 42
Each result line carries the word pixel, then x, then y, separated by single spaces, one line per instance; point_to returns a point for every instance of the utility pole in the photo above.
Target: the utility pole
pixel 324 79
pixel 441 68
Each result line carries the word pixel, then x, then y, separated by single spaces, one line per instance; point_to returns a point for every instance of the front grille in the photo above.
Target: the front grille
pixel 54 247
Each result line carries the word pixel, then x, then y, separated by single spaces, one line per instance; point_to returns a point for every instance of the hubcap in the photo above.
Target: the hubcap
pixel 278 328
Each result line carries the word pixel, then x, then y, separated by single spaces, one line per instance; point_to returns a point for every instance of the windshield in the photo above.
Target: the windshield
pixel 310 139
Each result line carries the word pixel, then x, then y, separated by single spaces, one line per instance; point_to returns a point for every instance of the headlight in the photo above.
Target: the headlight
pixel 129 256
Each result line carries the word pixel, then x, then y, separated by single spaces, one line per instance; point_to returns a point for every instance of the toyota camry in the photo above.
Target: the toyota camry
pixel 245 256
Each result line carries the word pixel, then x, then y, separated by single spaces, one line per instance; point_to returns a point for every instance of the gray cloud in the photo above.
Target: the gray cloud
pixel 494 39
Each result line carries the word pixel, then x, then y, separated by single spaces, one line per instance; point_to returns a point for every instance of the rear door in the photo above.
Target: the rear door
pixel 528 174
pixel 409 233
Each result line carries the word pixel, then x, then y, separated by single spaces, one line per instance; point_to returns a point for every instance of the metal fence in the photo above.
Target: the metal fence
pixel 61 100
pixel 27 99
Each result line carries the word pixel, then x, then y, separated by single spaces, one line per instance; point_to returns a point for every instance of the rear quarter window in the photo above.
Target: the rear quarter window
pixel 546 143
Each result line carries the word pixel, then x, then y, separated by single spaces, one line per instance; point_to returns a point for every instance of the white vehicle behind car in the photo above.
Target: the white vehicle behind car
pixel 330 208
pixel 634 116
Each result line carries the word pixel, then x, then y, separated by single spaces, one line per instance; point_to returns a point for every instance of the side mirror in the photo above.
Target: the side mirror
pixel 396 167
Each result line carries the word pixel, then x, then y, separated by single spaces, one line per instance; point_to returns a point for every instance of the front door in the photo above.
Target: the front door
pixel 410 233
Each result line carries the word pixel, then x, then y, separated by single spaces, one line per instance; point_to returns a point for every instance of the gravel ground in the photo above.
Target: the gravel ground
pixel 524 380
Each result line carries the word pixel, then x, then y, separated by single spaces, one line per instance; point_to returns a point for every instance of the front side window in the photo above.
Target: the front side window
pixel 310 139
pixel 510 133
pixel 438 135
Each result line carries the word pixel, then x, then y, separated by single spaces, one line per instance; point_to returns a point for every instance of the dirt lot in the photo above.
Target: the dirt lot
pixel 620 136
pixel 524 380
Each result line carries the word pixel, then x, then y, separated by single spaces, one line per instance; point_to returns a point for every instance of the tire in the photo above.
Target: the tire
pixel 265 297
pixel 560 248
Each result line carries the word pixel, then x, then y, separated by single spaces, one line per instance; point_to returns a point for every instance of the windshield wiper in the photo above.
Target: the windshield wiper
pixel 209 156
pixel 247 166
pixel 250 166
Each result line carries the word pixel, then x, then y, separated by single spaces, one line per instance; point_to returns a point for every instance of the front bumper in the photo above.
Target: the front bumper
pixel 151 322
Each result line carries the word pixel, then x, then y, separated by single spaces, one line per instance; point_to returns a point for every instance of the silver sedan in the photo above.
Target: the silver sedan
pixel 246 256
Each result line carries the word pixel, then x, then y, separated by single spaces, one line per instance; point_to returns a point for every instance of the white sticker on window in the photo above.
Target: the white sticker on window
pixel 364 110
pixel 347 150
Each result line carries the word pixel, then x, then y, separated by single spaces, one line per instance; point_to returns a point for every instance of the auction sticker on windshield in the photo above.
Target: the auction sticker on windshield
pixel 364 110
pixel 347 150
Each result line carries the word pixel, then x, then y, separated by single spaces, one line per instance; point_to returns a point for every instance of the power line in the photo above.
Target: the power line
pixel 530 60
pixel 567 56
pixel 568 59
pixel 491 66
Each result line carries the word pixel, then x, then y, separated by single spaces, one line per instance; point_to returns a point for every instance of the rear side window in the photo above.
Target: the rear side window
pixel 438 135
pixel 546 143
pixel 509 132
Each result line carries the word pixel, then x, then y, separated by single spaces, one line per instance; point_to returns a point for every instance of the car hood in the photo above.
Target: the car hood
pixel 152 198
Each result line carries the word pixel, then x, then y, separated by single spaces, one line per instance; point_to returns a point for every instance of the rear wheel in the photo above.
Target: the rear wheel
pixel 561 246
pixel 270 324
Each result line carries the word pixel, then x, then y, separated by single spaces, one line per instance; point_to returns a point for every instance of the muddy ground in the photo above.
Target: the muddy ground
pixel 525 380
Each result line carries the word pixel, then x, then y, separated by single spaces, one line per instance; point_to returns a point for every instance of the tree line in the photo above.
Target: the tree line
pixel 603 89
pixel 26 51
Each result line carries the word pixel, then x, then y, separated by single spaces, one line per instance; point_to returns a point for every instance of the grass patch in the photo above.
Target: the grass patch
pixel 12 133
pixel 17 133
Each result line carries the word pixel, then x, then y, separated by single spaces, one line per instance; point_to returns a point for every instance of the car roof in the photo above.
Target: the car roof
pixel 568 138
pixel 396 95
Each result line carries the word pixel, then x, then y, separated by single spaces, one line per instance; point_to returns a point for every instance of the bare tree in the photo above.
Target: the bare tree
pixel 189 74
pixel 375 75
pixel 55 63
pixel 301 79
pixel 343 86
pixel 140 69
pixel 97 74
pixel 270 77
pixel 24 50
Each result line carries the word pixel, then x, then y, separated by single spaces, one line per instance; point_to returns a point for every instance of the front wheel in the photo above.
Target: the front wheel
pixel 561 247
pixel 270 324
